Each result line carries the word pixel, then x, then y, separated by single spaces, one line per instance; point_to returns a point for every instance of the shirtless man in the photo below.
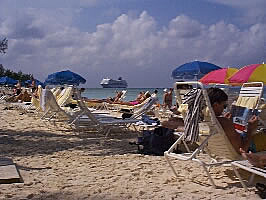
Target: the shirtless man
pixel 218 99
pixel 168 98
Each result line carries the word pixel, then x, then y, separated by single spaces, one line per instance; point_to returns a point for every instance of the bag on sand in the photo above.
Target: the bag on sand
pixel 156 142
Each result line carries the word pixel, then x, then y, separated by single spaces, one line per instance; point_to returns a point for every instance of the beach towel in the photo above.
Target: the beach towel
pixel 43 99
pixel 194 99
pixel 48 100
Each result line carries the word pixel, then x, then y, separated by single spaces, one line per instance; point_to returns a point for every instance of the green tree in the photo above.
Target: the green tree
pixel 2 70
pixel 3 45
pixel 8 73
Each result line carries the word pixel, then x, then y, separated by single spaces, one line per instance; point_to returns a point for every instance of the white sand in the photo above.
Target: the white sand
pixel 57 163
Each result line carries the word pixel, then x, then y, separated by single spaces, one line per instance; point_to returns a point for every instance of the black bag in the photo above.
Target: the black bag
pixel 157 142
pixel 126 113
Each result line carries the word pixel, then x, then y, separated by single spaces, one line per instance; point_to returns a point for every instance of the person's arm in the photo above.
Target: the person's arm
pixel 252 127
pixel 164 98
pixel 235 138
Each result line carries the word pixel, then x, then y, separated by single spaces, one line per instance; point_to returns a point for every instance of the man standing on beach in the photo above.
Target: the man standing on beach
pixel 168 98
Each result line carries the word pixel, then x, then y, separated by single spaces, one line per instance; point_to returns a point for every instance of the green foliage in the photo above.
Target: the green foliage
pixel 17 76
pixel 7 72
pixel 3 45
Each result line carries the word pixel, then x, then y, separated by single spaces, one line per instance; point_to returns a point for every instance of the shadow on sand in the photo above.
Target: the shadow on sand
pixel 28 143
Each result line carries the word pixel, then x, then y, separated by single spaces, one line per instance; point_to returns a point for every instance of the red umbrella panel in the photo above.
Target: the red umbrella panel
pixel 250 73
pixel 219 76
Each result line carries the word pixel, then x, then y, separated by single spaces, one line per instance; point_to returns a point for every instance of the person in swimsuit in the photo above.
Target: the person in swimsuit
pixel 140 98
pixel 168 98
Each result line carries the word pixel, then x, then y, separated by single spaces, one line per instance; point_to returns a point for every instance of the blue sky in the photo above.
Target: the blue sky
pixel 141 40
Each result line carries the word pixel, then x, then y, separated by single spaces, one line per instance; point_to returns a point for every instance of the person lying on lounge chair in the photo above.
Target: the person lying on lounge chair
pixel 140 98
pixel 108 100
pixel 24 96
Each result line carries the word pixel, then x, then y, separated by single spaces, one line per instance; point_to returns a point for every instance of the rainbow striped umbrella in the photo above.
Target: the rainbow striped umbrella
pixel 250 73
pixel 219 76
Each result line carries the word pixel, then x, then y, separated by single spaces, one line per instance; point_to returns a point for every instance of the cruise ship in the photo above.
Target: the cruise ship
pixel 111 83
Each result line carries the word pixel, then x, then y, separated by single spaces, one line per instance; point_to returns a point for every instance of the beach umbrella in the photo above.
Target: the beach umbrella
pixel 64 77
pixel 192 69
pixel 219 76
pixel 5 80
pixel 250 73
pixel 36 81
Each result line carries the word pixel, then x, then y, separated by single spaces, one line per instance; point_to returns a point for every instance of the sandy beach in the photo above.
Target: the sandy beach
pixel 57 163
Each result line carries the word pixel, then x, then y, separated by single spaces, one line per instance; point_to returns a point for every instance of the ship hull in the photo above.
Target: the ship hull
pixel 110 83
pixel 113 86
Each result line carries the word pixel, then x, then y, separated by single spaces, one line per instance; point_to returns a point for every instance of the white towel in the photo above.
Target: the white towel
pixel 43 100
pixel 48 101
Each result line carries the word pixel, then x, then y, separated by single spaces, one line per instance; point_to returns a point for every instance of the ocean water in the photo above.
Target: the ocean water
pixel 103 93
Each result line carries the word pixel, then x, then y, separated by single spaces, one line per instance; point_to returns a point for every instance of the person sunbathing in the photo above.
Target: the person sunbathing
pixel 24 96
pixel 140 98
pixel 114 99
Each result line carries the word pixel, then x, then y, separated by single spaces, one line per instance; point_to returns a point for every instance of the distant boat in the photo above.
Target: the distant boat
pixel 111 83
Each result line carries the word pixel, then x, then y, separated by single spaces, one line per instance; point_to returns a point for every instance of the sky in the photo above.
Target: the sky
pixel 142 41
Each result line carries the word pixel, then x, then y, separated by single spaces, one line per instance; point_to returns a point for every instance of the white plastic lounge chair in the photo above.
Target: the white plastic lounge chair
pixel 111 106
pixel 215 142
pixel 250 97
pixel 132 108
pixel 65 96
pixel 102 122
pixel 147 106
pixel 123 96
pixel 50 107
pixel 245 165
pixel 179 92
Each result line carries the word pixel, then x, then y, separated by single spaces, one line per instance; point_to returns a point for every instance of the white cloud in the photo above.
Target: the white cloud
pixel 132 47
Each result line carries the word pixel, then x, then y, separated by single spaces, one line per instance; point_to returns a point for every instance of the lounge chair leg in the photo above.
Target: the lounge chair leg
pixel 250 181
pixel 107 131
pixel 209 175
pixel 172 167
pixel 240 179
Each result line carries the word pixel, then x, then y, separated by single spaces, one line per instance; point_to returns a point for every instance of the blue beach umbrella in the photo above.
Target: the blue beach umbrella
pixel 64 77
pixel 193 69
pixel 36 81
pixel 5 80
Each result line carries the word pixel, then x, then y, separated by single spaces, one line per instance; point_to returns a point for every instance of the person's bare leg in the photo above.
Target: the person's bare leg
pixel 258 160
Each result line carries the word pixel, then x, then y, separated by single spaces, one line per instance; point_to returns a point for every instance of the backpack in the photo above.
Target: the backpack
pixel 156 142
pixel 126 113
